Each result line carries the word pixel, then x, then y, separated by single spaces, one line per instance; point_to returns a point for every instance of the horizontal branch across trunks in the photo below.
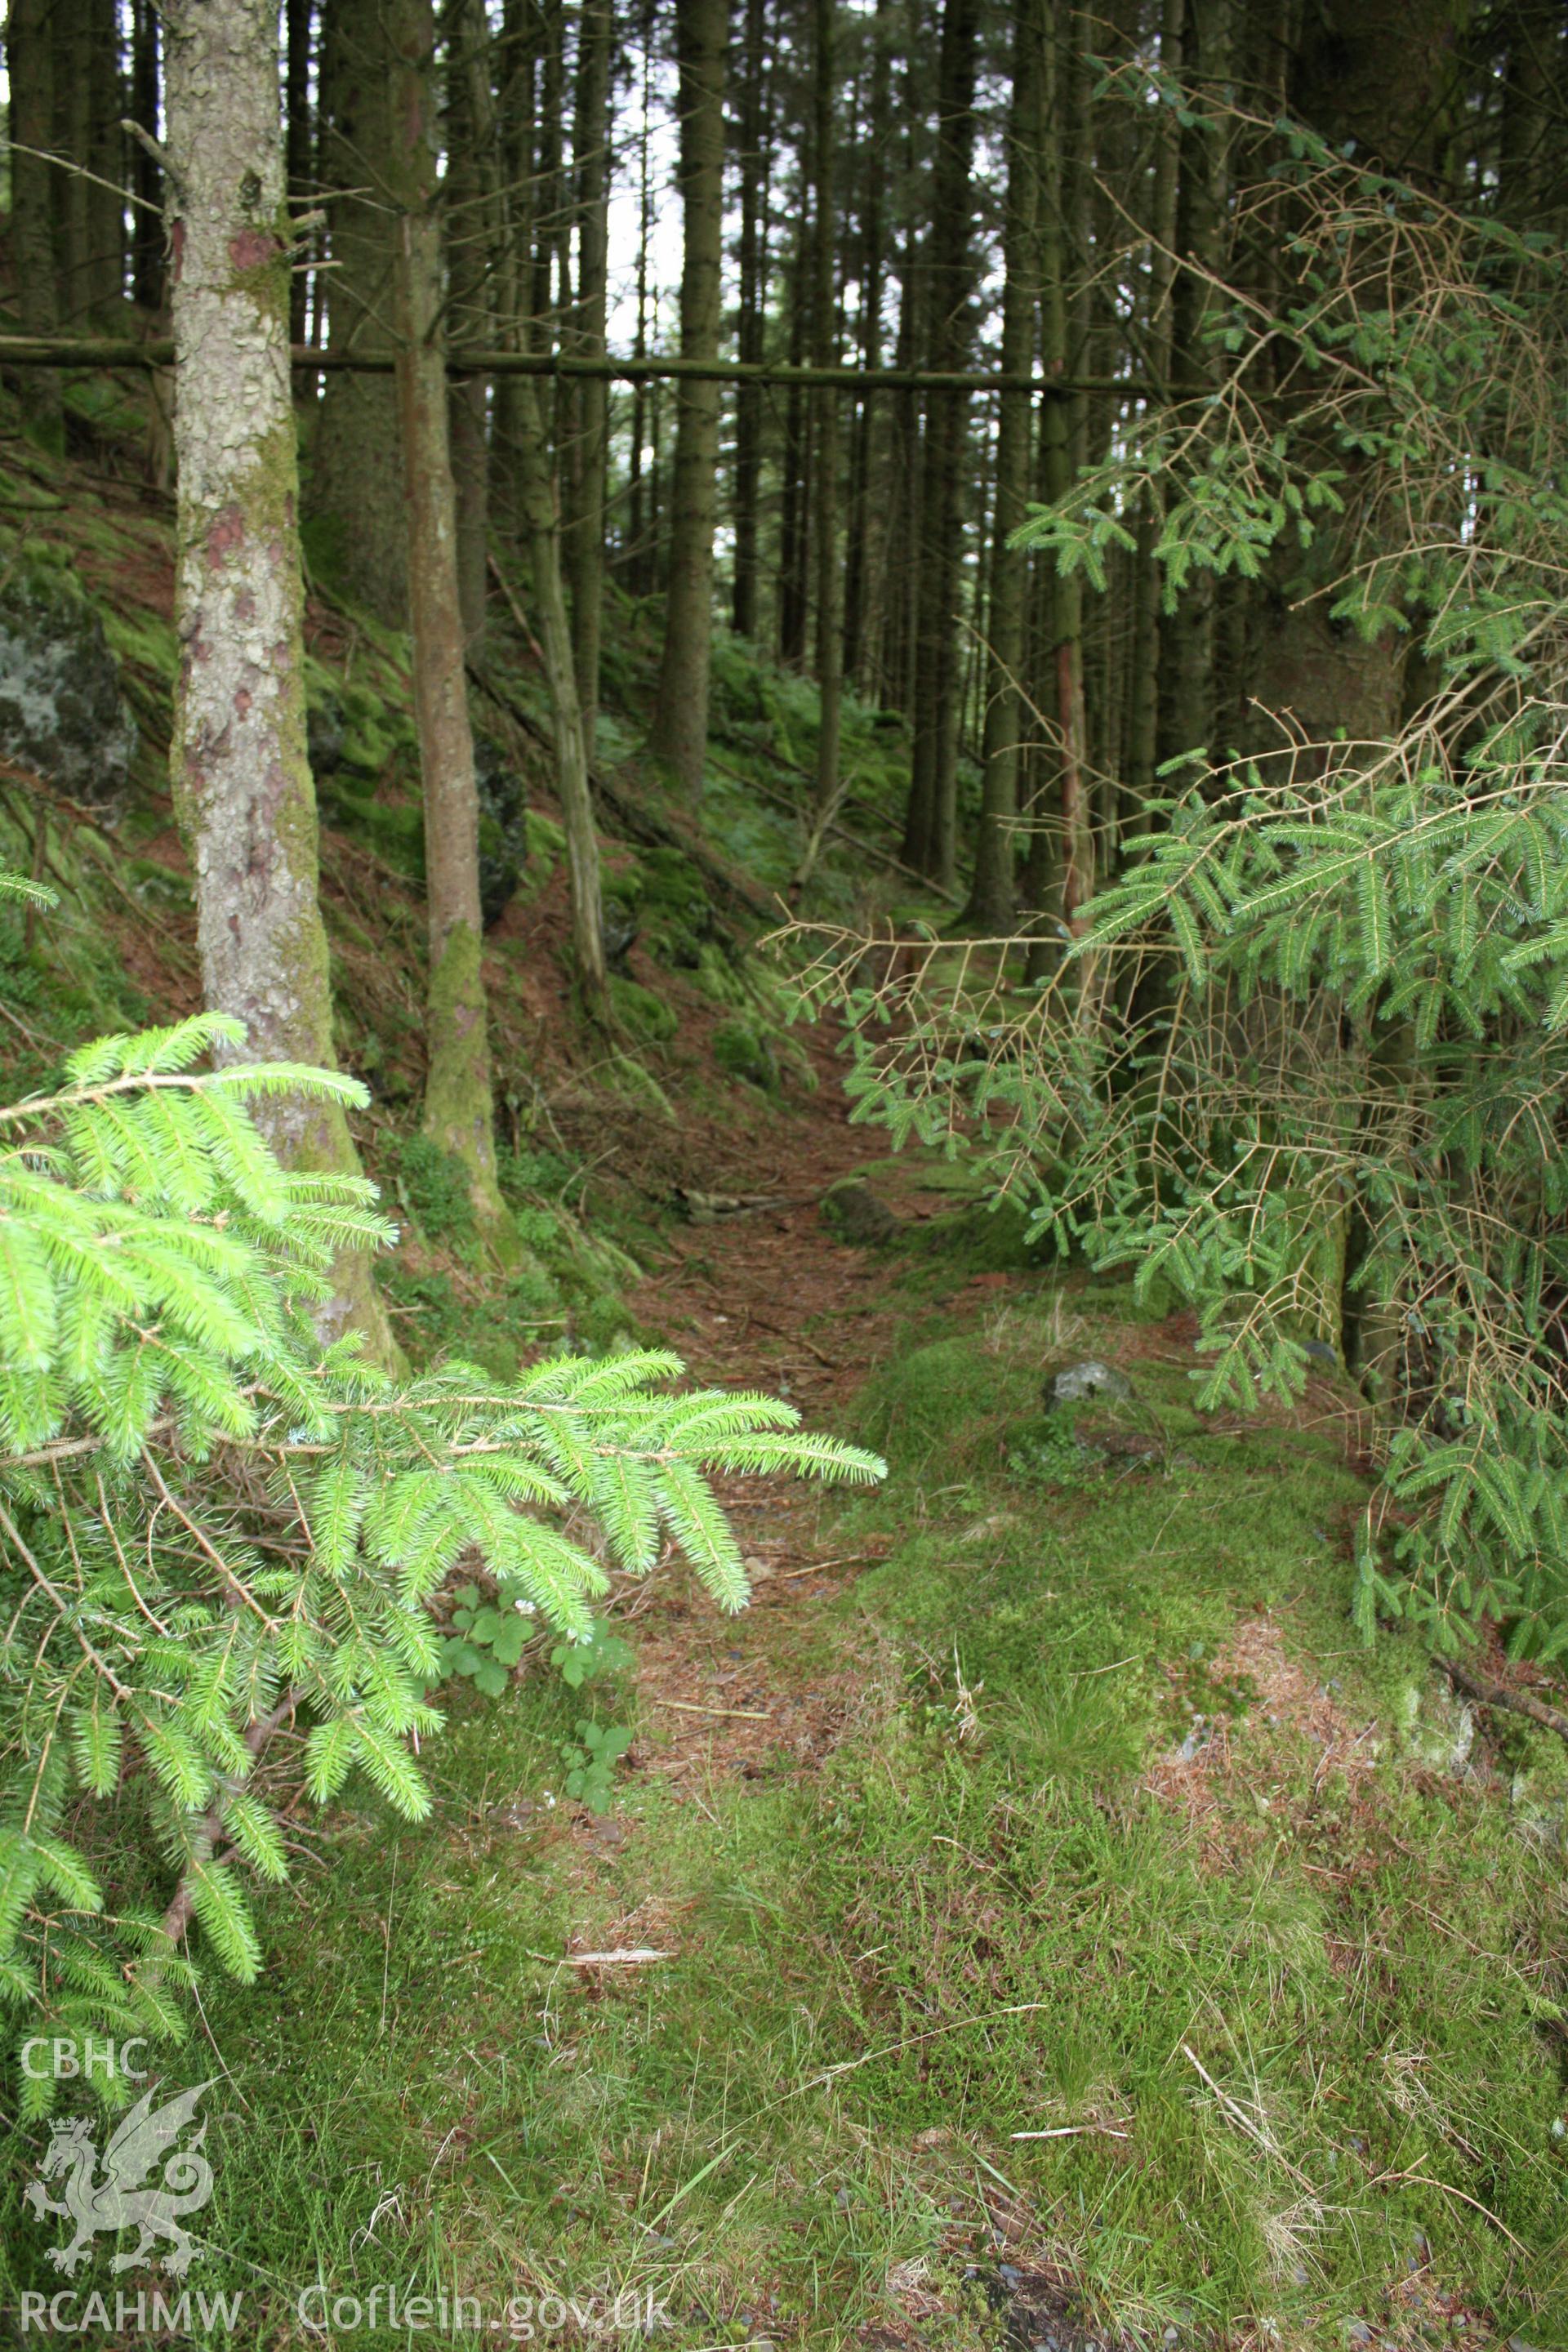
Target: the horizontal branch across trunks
pixel 125 351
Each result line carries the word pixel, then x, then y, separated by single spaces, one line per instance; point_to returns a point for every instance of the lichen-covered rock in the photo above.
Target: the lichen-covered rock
pixel 1090 1378
pixel 62 713
pixel 504 827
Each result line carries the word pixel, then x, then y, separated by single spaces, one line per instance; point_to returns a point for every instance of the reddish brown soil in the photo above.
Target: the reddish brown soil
pixel 763 1297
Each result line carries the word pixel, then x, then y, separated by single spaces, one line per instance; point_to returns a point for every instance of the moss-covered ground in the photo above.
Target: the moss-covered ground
pixel 1037 1920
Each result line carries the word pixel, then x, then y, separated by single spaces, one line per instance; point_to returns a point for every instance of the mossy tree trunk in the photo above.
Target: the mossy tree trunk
pixel 991 898
pixel 680 730
pixel 458 1114
pixel 242 783
pixel 356 478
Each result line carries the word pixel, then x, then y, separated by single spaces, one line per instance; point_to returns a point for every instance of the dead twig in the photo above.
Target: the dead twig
pixel 1491 1693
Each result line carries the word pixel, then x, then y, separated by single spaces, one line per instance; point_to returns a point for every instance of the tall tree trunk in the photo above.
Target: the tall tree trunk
pixel 356 476
pixel 30 67
pixel 794 519
pixel 71 31
pixel 241 779
pixel 1339 690
pixel 1142 726
pixel 830 610
pixel 458 1108
pixel 1187 635
pixel 637 570
pixel 518 60
pixel 146 179
pixel 679 729
pixel 929 836
pixel 903 476
pixel 104 286
pixel 873 265
pixel 470 244
pixel 298 135
pixel 583 539
pixel 571 784
pixel 1061 846
pixel 752 132
pixel 991 898
pixel 538 532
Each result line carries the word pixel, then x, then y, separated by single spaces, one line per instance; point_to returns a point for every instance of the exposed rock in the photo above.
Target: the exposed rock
pixel 852 1210
pixel 504 827
pixel 1090 1379
pixel 61 711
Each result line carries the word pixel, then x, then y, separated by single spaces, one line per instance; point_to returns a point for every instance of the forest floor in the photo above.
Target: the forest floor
pixel 1035 1921
pixel 1055 1928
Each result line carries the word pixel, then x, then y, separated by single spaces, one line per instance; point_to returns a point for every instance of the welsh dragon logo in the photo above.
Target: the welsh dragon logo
pixel 120 2196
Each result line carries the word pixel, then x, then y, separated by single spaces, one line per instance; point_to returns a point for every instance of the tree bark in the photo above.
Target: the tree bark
pixel 241 780
pixel 752 139
pixel 1187 636
pixel 298 132
pixel 471 243
pixel 105 160
pixel 583 538
pixel 679 729
pixel 356 476
pixel 873 266
pixel 1060 864
pixel 829 606
pixel 1143 712
pixel 991 898
pixel 794 462
pixel 929 831
pixel 541 532
pixel 637 535
pixel 29 65
pixel 458 1108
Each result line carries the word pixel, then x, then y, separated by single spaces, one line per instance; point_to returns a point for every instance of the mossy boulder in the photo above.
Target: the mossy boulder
pixel 62 713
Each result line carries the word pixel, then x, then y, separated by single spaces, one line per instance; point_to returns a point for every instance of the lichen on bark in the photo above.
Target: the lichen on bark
pixel 241 779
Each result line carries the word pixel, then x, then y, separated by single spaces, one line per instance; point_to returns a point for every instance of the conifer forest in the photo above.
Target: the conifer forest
pixel 783 1174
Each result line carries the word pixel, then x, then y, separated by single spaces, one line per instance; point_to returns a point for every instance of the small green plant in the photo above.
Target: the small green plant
pixel 488 1640
pixel 591 1761
pixel 1050 1453
pixel 600 1654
